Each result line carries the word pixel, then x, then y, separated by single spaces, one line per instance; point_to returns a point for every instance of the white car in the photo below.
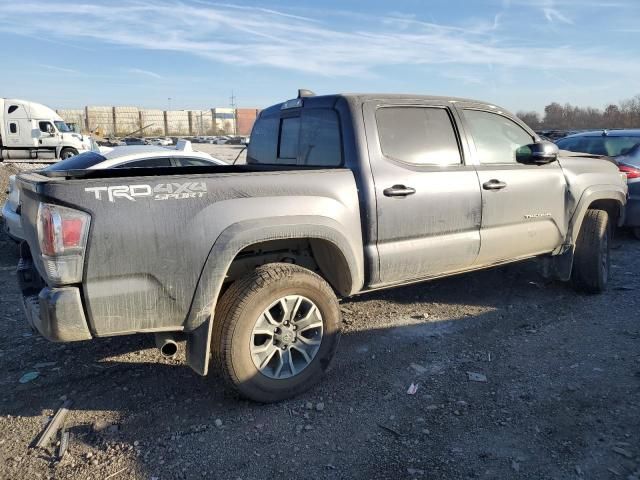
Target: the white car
pixel 133 156
pixel 162 142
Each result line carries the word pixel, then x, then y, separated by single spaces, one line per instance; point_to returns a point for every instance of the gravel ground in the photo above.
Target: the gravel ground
pixel 560 400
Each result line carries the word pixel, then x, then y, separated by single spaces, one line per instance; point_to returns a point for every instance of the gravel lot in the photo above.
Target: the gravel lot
pixel 560 401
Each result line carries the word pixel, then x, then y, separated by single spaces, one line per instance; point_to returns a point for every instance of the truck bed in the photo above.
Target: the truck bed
pixel 153 232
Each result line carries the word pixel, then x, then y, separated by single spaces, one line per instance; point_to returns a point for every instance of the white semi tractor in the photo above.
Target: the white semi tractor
pixel 31 131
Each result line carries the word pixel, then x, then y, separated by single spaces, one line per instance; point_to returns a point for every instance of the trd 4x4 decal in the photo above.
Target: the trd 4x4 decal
pixel 161 191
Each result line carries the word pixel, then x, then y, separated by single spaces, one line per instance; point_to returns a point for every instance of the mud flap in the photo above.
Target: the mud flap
pixel 558 266
pixel 198 348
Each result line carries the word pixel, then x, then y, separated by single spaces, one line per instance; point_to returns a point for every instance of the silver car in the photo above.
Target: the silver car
pixel 134 156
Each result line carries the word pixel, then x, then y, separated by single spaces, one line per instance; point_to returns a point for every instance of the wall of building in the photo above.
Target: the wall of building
pixel 122 120
pixel 245 118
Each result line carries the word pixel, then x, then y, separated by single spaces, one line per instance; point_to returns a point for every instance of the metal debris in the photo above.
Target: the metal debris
pixel 28 377
pixel 64 444
pixel 476 377
pixel 54 424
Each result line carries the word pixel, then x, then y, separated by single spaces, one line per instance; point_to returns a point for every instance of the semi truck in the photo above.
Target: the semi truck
pixel 31 131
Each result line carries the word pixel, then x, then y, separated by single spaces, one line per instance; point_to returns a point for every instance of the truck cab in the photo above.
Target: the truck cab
pixel 31 131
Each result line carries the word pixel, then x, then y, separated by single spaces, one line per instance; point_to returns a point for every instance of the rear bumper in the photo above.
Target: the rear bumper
pixel 56 313
pixel 12 223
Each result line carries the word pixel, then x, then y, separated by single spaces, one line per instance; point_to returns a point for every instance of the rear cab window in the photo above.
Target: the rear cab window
pixel 304 136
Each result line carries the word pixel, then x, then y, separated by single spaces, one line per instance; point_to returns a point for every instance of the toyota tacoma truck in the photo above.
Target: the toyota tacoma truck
pixel 341 194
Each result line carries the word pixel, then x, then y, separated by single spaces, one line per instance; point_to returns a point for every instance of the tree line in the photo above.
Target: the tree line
pixel 625 114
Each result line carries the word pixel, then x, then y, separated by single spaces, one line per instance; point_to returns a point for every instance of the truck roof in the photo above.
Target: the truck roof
pixel 34 109
pixel 319 101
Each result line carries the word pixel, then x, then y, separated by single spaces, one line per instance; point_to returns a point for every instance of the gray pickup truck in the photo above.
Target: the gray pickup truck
pixel 341 194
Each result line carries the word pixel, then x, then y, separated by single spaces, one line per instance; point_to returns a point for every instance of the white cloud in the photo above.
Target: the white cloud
pixel 250 36
pixel 552 15
pixel 59 69
pixel 147 73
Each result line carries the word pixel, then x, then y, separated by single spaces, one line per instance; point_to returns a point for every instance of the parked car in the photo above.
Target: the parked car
pixel 624 147
pixel 162 141
pixel 116 157
pixel 341 194
pixel 111 142
pixel 236 141
pixel 134 141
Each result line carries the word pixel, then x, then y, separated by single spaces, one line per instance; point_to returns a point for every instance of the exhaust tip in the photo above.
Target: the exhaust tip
pixel 166 343
pixel 169 349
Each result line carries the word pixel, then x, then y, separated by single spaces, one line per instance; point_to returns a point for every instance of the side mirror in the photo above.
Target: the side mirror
pixel 539 153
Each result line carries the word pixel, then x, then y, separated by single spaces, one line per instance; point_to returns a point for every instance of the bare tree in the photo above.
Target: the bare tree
pixel 530 118
pixel 569 117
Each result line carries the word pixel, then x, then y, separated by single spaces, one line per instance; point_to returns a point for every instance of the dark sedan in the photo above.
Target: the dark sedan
pixel 624 147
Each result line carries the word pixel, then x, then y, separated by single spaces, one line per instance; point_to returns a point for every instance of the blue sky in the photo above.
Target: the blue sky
pixel 521 54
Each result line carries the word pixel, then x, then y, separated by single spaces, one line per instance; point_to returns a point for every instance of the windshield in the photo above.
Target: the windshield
pixel 62 127
pixel 77 162
pixel 603 145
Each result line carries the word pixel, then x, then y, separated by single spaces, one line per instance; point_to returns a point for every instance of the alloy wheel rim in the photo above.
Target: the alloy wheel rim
pixel 286 337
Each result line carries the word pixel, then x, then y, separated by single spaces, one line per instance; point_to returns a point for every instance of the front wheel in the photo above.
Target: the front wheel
pixel 68 153
pixel 275 332
pixel 591 261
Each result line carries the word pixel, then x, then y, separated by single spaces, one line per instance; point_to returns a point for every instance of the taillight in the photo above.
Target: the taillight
pixel 62 233
pixel 629 171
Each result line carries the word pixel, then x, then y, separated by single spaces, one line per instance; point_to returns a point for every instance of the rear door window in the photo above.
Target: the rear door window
pixel 193 162
pixel 147 163
pixel 418 135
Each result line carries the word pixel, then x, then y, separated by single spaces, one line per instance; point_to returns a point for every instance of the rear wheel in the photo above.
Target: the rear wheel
pixel 275 332
pixel 68 153
pixel 591 262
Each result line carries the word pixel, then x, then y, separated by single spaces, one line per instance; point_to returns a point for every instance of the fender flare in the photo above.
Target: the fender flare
pixel 590 195
pixel 229 243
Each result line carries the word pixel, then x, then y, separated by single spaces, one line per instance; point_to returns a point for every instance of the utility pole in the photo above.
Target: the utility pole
pixel 232 102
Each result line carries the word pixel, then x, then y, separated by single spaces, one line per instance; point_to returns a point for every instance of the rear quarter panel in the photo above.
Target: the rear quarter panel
pixel 145 256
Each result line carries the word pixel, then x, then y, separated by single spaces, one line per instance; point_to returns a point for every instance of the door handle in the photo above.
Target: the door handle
pixel 494 184
pixel 398 191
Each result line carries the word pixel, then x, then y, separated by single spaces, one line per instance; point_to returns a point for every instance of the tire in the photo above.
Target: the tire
pixel 591 261
pixel 68 153
pixel 241 312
